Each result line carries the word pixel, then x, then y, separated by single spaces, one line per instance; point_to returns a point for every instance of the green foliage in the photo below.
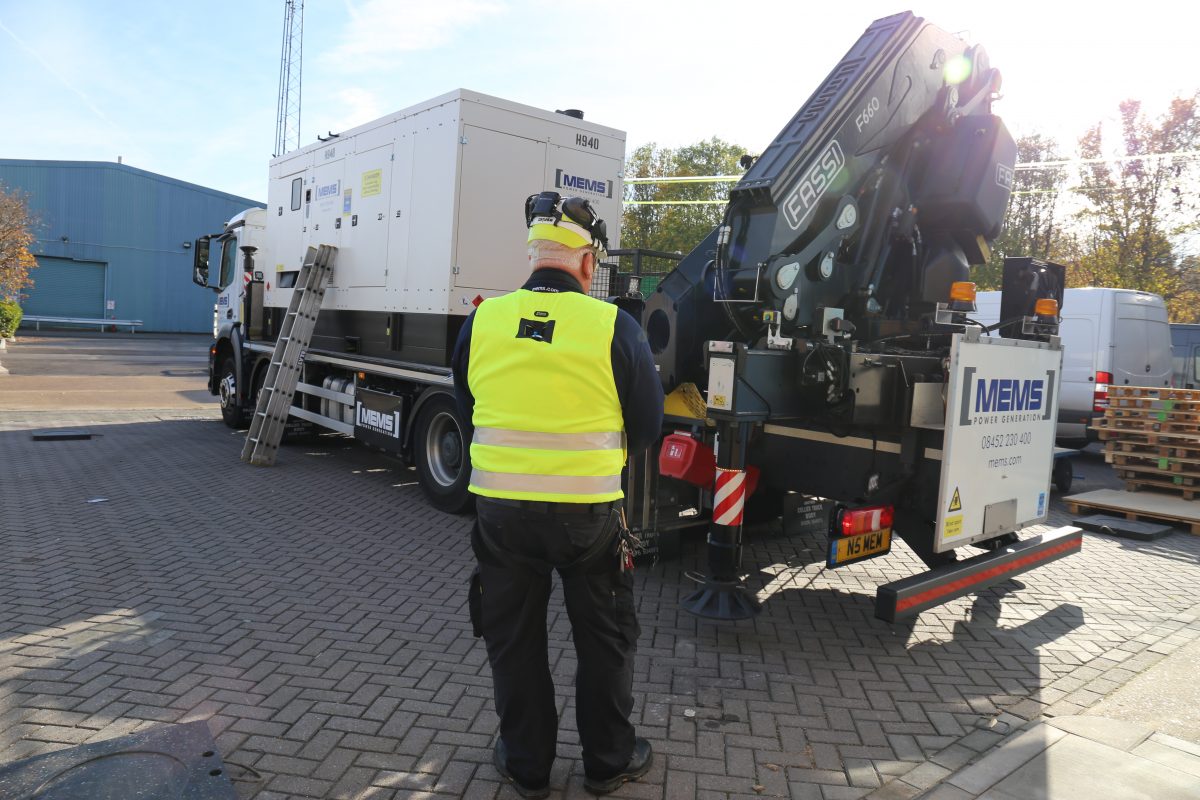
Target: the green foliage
pixel 16 235
pixel 10 318
pixel 676 228
pixel 1139 210
pixel 1124 223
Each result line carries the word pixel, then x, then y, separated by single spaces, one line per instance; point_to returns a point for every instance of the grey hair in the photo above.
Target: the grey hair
pixel 546 253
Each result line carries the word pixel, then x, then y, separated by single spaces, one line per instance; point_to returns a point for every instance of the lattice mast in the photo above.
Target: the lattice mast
pixel 287 116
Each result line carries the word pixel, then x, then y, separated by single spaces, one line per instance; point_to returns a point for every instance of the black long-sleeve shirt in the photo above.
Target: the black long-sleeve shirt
pixel 638 386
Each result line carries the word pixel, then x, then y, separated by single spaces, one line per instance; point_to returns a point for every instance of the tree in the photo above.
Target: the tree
pixel 1031 226
pixel 16 235
pixel 676 227
pixel 1138 209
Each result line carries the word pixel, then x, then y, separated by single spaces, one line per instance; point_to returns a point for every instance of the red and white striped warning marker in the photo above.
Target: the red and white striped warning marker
pixel 730 498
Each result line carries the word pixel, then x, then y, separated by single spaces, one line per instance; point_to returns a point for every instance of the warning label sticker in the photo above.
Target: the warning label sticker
pixel 953 526
pixel 955 501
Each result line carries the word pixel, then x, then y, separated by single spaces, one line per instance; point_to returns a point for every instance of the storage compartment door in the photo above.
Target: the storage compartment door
pixel 323 209
pixel 366 194
pixel 285 227
pixel 498 172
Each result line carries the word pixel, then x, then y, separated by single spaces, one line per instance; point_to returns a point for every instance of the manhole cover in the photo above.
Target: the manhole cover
pixel 167 762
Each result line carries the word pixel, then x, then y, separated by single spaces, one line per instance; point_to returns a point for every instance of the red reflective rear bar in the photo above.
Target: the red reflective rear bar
pixel 910 596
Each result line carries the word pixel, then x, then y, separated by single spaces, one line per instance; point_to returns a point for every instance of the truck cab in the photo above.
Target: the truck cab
pixel 227 263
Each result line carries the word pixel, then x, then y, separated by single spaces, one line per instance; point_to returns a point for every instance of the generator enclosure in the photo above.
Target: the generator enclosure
pixel 426 208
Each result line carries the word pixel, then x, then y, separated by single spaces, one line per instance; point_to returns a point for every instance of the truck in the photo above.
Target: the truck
pixel 423 206
pixel 828 320
pixel 818 343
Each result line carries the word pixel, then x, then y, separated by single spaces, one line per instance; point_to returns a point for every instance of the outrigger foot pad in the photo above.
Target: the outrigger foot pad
pixel 726 600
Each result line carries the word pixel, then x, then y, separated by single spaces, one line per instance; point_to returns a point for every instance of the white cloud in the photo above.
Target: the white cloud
pixel 380 31
pixel 358 106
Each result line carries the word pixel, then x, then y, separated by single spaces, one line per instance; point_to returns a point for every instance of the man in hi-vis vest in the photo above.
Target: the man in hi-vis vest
pixel 560 388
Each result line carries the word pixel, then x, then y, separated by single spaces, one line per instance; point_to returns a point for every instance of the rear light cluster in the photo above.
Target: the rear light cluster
pixel 1100 394
pixel 853 521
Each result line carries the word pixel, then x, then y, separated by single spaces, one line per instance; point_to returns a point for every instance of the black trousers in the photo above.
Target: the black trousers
pixel 531 540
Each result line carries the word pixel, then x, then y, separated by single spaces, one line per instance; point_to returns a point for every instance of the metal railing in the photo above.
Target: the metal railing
pixel 132 324
pixel 635 271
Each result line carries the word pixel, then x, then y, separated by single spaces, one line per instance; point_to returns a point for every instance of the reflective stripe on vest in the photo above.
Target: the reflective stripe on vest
pixel 548 421
pixel 533 440
pixel 547 484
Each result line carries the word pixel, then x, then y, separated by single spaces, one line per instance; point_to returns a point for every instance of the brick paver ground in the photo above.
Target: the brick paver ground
pixel 313 613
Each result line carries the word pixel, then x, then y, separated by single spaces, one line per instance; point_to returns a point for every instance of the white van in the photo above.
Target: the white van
pixel 1117 337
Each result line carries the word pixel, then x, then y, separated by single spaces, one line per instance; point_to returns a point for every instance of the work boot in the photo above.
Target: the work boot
pixel 500 762
pixel 639 765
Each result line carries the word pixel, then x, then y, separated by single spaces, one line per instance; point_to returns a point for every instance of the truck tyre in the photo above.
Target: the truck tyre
pixel 442 455
pixel 1063 475
pixel 235 416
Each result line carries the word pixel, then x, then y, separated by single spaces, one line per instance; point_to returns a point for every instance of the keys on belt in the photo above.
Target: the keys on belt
pixel 626 545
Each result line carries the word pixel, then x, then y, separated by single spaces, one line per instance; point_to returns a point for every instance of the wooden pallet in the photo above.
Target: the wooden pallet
pixel 1152 404
pixel 1154 393
pixel 1187 491
pixel 1182 451
pixel 1145 505
pixel 1148 425
pixel 1182 438
pixel 1167 465
pixel 1191 416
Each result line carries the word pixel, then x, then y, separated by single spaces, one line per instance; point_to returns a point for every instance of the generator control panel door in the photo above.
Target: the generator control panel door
pixel 1001 415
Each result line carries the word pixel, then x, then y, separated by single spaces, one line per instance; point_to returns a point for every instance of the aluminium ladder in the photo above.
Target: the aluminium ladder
pixel 275 398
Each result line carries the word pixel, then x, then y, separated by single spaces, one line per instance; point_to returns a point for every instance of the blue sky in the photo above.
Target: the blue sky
pixel 188 88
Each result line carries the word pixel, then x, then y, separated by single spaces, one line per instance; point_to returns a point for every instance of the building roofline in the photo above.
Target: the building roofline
pixel 33 162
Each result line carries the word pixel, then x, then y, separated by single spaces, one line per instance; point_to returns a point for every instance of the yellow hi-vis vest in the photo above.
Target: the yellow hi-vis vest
pixel 548 423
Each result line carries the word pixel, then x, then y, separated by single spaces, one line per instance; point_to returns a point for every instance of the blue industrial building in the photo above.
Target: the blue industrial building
pixel 114 242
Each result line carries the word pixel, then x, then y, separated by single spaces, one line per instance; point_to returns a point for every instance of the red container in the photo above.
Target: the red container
pixel 688 460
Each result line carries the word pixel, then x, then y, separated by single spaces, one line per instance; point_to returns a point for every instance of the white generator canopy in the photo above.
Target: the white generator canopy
pixel 426 205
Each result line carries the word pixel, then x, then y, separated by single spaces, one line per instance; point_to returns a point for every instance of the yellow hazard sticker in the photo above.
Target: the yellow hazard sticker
pixel 372 183
pixel 952 527
pixel 955 502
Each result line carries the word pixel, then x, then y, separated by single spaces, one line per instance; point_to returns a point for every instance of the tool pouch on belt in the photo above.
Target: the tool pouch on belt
pixel 475 603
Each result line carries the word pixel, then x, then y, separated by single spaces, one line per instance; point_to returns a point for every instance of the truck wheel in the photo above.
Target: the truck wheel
pixel 442 455
pixel 1063 475
pixel 234 415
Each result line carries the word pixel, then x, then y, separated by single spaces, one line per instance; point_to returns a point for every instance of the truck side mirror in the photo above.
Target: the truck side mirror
pixel 200 262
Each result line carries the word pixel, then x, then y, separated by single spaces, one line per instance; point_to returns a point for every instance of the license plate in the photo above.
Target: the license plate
pixel 848 549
